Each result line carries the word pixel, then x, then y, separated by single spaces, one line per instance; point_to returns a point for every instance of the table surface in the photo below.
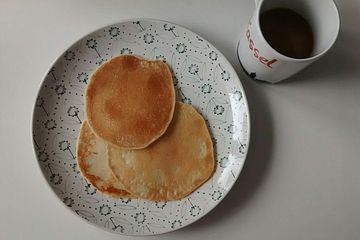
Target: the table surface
pixel 301 178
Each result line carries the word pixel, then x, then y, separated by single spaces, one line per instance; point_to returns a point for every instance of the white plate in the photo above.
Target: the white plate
pixel 202 77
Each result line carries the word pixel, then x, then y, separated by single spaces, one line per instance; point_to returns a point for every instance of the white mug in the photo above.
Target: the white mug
pixel 262 62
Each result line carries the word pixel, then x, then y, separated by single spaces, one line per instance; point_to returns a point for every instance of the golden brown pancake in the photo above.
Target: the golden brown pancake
pixel 174 165
pixel 130 101
pixel 92 159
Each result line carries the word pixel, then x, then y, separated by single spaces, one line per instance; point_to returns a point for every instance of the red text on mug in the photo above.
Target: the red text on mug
pixel 257 54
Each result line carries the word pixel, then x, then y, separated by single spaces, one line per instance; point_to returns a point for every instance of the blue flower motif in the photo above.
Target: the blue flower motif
pixel 118 228
pixel 225 75
pixel 104 210
pixel 140 218
pixel 242 148
pixel 231 128
pixel 89 190
pixel 60 89
pixel 64 145
pixel 219 110
pixel 114 31
pixel 181 48
pixel 43 156
pixel 126 51
pixel 161 58
pixel 213 56
pixel 193 69
pixel 216 195
pixel 206 88
pixel 83 77
pixel 170 28
pixel 149 38
pixel 56 178
pixel 176 224
pixel 68 201
pixel 91 43
pixel 195 210
pixel 160 204
pixel 224 162
pixel 237 95
pixel 74 112
pixel 50 124
pixel 69 55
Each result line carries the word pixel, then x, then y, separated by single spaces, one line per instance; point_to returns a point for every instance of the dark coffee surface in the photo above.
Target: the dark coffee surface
pixel 287 32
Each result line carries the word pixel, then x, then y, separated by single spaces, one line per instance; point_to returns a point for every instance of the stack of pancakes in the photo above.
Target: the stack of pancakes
pixel 137 140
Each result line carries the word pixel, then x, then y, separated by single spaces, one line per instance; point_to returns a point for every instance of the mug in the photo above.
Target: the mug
pixel 262 62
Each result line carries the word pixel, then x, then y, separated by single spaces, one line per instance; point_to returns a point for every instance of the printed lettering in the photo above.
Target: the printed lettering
pixel 271 62
pixel 256 51
pixel 248 35
pixel 263 60
pixel 251 44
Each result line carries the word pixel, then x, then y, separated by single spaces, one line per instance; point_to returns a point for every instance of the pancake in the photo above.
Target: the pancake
pixel 130 101
pixel 174 165
pixel 92 159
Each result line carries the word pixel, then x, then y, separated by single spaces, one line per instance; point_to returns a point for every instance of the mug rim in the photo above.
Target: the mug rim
pixel 284 57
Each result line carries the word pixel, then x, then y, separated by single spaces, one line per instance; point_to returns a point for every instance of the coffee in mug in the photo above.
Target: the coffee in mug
pixel 282 37
pixel 287 32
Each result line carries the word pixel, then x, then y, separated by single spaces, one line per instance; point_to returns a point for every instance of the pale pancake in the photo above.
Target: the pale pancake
pixel 174 165
pixel 92 159
pixel 130 101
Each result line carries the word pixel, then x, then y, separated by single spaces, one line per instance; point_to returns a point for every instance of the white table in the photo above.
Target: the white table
pixel 301 178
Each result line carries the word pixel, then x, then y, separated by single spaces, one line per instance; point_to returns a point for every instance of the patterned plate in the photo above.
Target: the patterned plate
pixel 202 77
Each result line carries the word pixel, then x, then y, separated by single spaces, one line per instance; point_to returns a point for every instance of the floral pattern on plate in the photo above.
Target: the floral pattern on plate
pixel 202 77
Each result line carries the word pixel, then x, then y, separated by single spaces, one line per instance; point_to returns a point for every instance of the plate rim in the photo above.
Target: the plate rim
pixel 120 22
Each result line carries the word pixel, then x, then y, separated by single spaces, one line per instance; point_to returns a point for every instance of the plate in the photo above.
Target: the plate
pixel 202 77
